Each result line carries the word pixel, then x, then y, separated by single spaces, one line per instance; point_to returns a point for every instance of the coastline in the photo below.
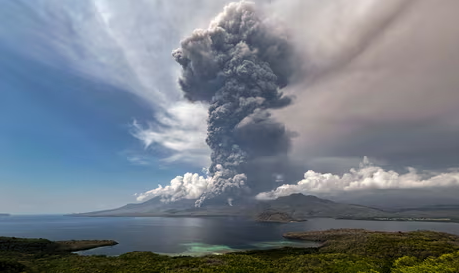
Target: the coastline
pixel 402 219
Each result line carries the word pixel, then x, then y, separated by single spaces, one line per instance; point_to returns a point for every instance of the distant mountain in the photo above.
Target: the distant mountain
pixel 4 214
pixel 295 206
pixel 155 207
pixel 299 206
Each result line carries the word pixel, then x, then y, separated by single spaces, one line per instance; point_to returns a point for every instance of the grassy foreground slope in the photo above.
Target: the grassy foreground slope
pixel 343 250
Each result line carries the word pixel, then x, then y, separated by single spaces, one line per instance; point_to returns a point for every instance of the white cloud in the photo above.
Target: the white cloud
pixel 195 187
pixel 182 130
pixel 140 160
pixel 189 186
pixel 366 177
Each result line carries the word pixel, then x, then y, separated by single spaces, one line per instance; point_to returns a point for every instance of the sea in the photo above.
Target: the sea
pixel 187 236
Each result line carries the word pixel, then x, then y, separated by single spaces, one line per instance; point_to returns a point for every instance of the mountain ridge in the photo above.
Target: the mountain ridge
pixel 295 206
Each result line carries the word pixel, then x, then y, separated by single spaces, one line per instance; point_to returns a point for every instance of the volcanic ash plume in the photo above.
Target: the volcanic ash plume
pixel 237 66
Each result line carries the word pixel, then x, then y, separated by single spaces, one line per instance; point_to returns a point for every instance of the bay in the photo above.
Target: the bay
pixel 186 236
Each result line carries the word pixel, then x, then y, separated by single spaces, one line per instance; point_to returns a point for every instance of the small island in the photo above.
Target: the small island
pixel 4 214
pixel 276 217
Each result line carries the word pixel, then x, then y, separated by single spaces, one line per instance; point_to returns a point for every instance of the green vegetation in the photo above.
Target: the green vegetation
pixel 276 217
pixel 342 250
pixel 447 263
pixel 22 245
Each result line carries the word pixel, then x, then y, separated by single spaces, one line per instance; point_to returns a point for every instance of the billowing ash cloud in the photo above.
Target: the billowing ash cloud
pixel 238 66
pixel 366 177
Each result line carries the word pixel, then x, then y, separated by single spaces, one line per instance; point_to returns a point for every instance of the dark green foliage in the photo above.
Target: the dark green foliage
pixel 393 245
pixel 27 245
pixel 343 251
pixel 11 266
pixel 278 252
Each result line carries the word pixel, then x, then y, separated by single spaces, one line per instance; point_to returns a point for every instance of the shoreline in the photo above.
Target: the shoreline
pixel 403 219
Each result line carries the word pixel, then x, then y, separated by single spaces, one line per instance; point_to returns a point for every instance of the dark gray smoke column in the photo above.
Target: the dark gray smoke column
pixel 237 65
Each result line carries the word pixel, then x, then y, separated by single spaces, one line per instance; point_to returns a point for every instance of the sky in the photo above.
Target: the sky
pixel 91 112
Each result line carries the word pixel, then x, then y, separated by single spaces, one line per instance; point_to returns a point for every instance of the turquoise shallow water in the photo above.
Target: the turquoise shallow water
pixel 201 249
pixel 186 236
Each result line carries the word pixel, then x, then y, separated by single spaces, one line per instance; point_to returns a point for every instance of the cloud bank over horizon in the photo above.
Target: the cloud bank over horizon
pixel 366 177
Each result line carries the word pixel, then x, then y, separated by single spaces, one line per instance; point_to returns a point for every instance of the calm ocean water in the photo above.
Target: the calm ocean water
pixel 186 236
